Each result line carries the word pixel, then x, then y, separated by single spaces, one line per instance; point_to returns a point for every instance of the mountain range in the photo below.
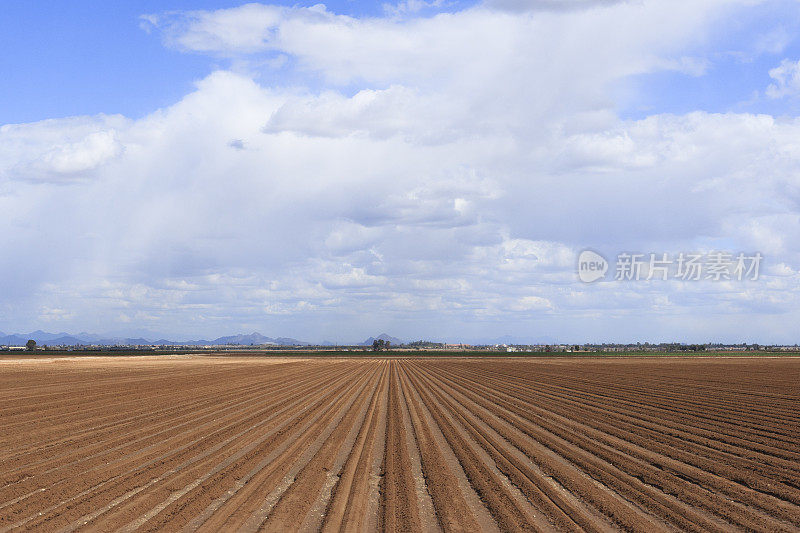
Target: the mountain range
pixel 382 337
pixel 83 338
pixel 67 339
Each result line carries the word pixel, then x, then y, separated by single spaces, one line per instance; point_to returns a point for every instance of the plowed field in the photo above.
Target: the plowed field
pixel 414 444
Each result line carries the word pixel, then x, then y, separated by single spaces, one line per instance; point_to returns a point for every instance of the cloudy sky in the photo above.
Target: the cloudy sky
pixel 428 169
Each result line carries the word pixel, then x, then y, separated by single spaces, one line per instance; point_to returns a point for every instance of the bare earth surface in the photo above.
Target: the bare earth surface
pixel 247 444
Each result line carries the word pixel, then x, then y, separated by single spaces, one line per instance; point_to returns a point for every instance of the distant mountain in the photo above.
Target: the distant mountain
pixel 65 340
pixel 42 337
pixel 13 340
pixel 252 339
pixel 256 339
pixel 83 338
pixel 90 338
pixel 288 341
pixel 199 342
pixel 384 337
pixel 121 342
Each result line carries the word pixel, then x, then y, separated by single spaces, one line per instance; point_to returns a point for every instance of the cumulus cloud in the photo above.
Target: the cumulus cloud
pixel 59 150
pixel 409 7
pixel 248 28
pixel 433 50
pixel 787 79
pixel 554 5
pixel 433 174
pixel 378 113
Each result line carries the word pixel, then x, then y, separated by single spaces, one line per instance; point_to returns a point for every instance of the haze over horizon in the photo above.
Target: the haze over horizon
pixel 193 169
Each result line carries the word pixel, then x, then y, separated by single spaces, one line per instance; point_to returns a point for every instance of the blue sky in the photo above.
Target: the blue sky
pixel 76 58
pixel 428 169
pixel 81 57
pixel 739 52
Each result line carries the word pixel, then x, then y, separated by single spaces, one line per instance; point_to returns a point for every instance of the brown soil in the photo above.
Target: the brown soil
pixel 412 444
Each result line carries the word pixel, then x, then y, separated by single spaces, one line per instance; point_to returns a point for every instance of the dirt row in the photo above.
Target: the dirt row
pixel 414 444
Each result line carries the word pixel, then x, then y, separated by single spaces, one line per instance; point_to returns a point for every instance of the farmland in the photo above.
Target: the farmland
pixel 420 443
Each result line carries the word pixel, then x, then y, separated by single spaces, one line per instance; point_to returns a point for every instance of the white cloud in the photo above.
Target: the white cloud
pixel 787 79
pixel 530 303
pixel 773 41
pixel 556 5
pixel 441 180
pixel 59 150
pixel 86 154
pixel 409 7
pixel 48 314
pixel 250 27
pixel 384 113
pixel 462 47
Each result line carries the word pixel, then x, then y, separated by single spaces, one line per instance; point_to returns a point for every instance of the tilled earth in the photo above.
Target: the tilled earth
pixel 408 444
